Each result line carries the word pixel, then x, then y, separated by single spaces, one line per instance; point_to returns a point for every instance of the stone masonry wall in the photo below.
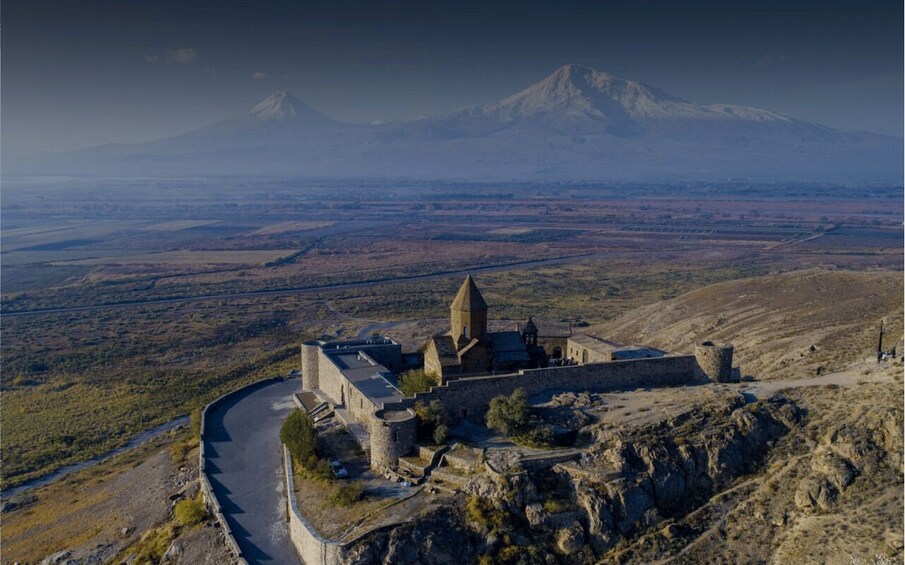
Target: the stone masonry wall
pixel 578 352
pixel 391 439
pixel 338 388
pixel 331 379
pixel 359 405
pixel 470 397
pixel 311 547
pixel 310 370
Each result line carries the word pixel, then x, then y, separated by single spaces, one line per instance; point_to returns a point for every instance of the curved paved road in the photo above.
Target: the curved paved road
pixel 244 465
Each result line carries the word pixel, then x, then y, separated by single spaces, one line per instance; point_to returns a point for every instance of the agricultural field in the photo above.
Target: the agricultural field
pixel 122 312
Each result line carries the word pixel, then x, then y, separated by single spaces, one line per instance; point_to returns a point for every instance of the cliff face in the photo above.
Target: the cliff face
pixel 668 470
pixel 440 537
pixel 628 482
pixel 812 475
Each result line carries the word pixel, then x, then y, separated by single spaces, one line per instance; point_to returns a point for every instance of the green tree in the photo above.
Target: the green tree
pixel 416 380
pixel 430 417
pixel 300 438
pixel 509 414
pixel 441 433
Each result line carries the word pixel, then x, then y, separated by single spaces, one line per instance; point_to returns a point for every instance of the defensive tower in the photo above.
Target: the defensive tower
pixel 714 361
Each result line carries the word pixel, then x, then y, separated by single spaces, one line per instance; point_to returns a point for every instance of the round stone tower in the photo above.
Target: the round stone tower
pixel 714 361
pixel 392 436
pixel 310 350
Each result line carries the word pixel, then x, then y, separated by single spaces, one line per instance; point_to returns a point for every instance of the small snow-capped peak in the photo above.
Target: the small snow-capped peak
pixel 279 106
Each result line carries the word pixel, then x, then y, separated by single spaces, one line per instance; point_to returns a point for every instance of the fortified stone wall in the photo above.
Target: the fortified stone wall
pixel 359 405
pixel 393 437
pixel 469 397
pixel 311 547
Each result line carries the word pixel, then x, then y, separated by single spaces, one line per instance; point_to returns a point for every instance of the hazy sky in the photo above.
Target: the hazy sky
pixel 81 73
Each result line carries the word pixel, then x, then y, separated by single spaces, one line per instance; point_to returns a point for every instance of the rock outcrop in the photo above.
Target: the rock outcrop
pixel 629 482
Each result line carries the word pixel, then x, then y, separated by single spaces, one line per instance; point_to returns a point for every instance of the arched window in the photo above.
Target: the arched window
pixel 465 331
pixel 584 356
pixel 557 353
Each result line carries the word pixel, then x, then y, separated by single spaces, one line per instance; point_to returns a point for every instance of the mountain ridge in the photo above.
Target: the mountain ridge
pixel 575 124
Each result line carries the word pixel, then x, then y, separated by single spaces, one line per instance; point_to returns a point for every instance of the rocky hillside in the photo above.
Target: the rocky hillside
pixel 782 326
pixel 829 492
pixel 811 475
pixel 628 482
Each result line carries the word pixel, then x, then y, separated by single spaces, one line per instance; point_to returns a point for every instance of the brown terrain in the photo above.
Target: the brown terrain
pixel 114 510
pixel 821 481
pixel 782 326
pixel 726 266
pixel 794 468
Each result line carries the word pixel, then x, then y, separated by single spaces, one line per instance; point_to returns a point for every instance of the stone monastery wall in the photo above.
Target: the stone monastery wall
pixel 331 379
pixel 338 387
pixel 469 397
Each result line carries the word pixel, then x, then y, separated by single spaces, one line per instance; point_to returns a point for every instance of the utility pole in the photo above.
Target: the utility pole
pixel 880 344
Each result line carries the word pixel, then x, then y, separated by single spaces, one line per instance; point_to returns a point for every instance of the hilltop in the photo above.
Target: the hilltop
pixel 785 325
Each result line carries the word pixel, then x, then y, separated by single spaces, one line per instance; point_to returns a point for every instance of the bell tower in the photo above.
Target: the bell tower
pixel 468 312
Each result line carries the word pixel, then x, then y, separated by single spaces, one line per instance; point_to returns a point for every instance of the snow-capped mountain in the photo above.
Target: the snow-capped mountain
pixel 578 90
pixel 278 107
pixel 576 124
pixel 577 99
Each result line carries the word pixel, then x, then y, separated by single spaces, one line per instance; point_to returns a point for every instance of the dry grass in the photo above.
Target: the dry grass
pixel 222 257
pixel 774 320
pixel 91 507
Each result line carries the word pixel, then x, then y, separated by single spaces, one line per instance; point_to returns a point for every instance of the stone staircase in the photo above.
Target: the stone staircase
pixel 417 469
pixel 412 469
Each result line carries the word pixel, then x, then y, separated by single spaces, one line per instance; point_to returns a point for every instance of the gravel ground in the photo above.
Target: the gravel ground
pixel 92 515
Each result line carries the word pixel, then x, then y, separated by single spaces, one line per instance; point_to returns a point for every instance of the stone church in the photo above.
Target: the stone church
pixel 469 349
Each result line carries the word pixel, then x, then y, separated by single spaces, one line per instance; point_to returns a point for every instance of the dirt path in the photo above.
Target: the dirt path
pixel 862 372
